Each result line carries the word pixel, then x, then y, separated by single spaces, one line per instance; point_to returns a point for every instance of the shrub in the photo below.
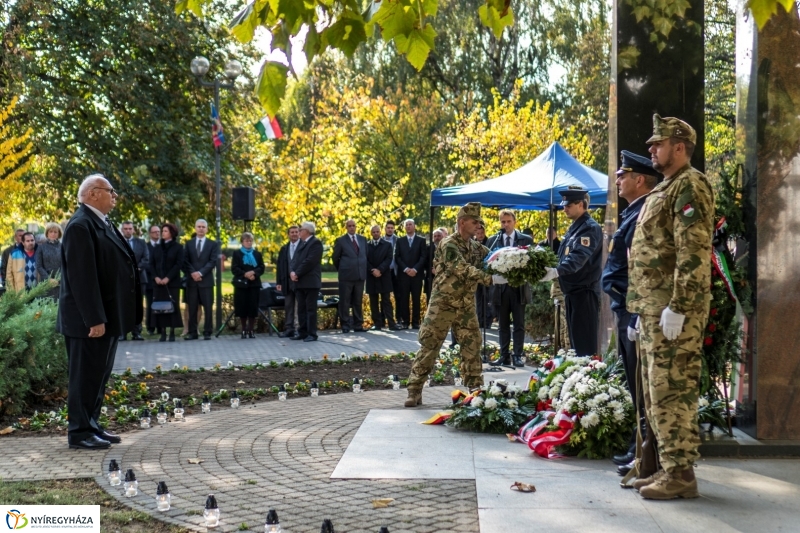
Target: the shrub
pixel 33 357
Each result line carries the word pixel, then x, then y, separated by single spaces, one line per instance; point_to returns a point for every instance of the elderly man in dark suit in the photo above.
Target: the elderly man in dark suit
pixel 379 280
pixel 306 274
pixel 200 259
pixel 285 285
pixel 411 255
pixel 350 261
pixel 510 302
pixel 142 255
pixel 99 291
pixel 154 237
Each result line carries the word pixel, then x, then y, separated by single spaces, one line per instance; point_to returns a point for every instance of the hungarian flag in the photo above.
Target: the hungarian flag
pixel 268 128
pixel 216 128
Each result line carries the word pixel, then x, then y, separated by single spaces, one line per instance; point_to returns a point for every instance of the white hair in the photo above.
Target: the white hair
pixel 87 184
pixel 406 221
pixel 309 227
pixel 196 222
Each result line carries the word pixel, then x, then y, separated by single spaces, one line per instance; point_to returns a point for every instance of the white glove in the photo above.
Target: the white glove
pixel 633 332
pixel 671 324
pixel 497 279
pixel 552 273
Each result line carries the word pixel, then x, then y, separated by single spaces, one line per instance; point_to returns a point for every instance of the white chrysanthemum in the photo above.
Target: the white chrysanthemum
pixel 613 391
pixel 491 404
pixel 591 403
pixel 554 391
pixel 602 397
pixel 476 402
pixel 590 420
pixel 615 404
pixel 544 392
pixel 494 390
pixel 164 396
pixel 619 415
pixel 514 388
pixel 513 404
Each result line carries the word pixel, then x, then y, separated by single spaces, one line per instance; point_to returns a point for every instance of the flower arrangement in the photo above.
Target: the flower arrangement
pixel 520 265
pixel 494 408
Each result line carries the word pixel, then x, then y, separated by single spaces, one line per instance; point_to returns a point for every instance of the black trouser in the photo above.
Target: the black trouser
pixel 380 307
pixel 351 294
pixel 408 286
pixel 195 297
pixel 483 305
pixel 148 312
pixel 307 312
pixel 512 306
pixel 626 350
pixel 90 362
pixel 396 291
pixel 583 320
pixel 288 309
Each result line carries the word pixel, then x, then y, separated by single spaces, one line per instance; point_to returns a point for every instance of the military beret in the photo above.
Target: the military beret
pixel 473 210
pixel 664 128
pixel 637 164
pixel 573 194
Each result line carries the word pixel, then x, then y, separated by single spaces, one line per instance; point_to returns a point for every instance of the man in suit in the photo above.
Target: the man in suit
pixel 509 302
pixel 390 237
pixel 552 241
pixel 154 234
pixel 379 280
pixel 201 258
pixel 411 254
pixel 285 285
pixel 306 274
pixel 350 261
pixel 142 255
pixel 99 291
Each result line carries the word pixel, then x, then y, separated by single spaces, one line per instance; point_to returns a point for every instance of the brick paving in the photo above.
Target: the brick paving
pixel 272 455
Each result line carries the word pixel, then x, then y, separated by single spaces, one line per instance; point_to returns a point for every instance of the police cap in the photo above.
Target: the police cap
pixel 637 164
pixel 572 195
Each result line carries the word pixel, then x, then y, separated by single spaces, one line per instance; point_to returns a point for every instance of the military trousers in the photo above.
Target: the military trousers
pixel 671 388
pixel 439 319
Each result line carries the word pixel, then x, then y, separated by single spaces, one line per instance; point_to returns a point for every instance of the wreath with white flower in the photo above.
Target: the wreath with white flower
pixel 520 265
pixel 499 407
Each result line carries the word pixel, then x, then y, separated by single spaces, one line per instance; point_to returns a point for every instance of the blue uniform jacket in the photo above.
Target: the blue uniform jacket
pixel 615 274
pixel 580 256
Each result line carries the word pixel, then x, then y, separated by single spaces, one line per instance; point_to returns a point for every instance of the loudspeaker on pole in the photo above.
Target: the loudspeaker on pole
pixel 243 206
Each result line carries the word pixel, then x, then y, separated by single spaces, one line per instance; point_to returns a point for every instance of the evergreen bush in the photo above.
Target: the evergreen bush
pixel 33 358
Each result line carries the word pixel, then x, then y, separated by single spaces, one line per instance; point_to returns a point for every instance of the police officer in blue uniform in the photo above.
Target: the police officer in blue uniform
pixel 636 177
pixel 578 271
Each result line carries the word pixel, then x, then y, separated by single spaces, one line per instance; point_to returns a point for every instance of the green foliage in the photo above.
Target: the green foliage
pixel 505 418
pixel 33 359
pixel 540 313
pixel 763 10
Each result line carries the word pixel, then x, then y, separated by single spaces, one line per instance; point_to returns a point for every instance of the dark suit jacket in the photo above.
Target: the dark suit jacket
pixel 379 257
pixel 282 268
pixel 204 263
pixel 351 266
pixel 238 268
pixel 498 241
pixel 167 261
pixel 142 253
pixel 415 256
pixel 149 266
pixel 98 280
pixel 307 264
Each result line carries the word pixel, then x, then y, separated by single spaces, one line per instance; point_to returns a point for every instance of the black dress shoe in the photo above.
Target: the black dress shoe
pixel 137 337
pixel 398 327
pixel 503 361
pixel 344 330
pixel 415 326
pixel 517 361
pixel 359 330
pixel 208 337
pixel 375 328
pixel 91 443
pixel 285 334
pixel 163 338
pixel 251 334
pixel 624 459
pixel 296 338
pixel 623 470
pixel 110 437
pixel 123 338
pixel 310 338
pixel 191 337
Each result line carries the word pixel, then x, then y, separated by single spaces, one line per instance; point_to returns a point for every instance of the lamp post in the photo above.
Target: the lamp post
pixel 233 69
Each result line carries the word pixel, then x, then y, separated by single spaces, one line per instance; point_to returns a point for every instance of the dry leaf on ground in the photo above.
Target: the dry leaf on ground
pixel 381 502
pixel 195 461
pixel 523 487
pixel 7 430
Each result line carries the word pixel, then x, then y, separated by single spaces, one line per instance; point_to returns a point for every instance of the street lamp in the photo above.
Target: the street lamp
pixel 233 69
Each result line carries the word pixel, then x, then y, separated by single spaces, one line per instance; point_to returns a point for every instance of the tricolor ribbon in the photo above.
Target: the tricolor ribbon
pixel 439 418
pixel 721 267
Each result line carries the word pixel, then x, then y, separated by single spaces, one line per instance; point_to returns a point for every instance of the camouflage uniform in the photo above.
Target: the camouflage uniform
pixel 561 321
pixel 458 272
pixel 669 267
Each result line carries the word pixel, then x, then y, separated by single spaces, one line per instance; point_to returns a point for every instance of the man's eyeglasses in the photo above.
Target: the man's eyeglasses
pixel 110 191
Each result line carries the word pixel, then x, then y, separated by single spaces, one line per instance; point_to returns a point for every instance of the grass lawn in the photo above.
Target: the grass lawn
pixel 113 515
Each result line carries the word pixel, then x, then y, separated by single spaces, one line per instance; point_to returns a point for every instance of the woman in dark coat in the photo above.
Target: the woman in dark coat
pixel 166 270
pixel 247 266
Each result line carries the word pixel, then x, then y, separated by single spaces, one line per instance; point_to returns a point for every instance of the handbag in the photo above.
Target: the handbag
pixel 240 283
pixel 163 307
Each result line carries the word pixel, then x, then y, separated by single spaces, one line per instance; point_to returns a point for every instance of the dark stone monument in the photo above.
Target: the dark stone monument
pixel 768 148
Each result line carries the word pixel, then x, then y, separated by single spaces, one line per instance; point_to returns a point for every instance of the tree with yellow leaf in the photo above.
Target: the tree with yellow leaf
pixel 16 151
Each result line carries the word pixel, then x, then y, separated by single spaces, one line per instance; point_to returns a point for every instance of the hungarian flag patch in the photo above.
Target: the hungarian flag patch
pixel 688 211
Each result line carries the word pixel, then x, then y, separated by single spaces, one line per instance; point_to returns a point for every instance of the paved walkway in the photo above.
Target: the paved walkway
pixel 200 353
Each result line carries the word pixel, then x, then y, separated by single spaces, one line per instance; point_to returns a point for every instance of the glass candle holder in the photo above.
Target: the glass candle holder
pixel 314 392
pixel 427 382
pixel 396 384
pixel 211 512
pixel 144 419
pixel 272 524
pixel 459 381
pixel 163 497
pixel 235 400
pixel 131 486
pixel 178 413
pixel 114 473
pixel 282 393
pixel 356 385
pixel 205 407
pixel 161 416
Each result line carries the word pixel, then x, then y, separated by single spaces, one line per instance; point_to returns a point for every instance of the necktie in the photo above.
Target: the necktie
pixel 410 242
pixel 199 246
pixel 355 245
pixel 508 240
pixel 108 222
pixel 291 250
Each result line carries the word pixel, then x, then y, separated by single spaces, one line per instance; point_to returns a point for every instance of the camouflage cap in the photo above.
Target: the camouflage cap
pixel 664 128
pixel 473 210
